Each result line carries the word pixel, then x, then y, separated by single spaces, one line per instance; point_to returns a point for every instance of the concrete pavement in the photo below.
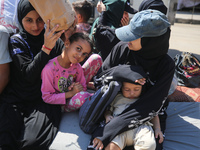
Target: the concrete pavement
pixel 185 37
pixel 185 33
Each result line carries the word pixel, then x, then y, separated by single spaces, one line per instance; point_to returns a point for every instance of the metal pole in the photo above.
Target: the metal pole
pixel 172 7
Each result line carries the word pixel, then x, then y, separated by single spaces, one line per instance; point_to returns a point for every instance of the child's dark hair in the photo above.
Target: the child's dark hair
pixel 81 35
pixel 84 8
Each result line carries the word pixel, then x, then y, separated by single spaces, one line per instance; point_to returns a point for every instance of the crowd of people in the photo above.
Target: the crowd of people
pixel 44 72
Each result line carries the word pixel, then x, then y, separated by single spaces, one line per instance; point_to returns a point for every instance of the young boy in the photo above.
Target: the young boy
pixel 83 11
pixel 141 137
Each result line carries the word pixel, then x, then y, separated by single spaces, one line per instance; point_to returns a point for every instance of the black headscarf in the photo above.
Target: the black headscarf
pixel 114 12
pixel 153 50
pixel 35 42
pixel 153 4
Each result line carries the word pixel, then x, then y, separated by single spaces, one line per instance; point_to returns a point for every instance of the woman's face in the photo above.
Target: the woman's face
pixel 33 23
pixel 77 51
pixel 135 45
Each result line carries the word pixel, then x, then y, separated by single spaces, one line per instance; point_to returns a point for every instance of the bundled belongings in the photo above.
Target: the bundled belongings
pixel 187 69
pixel 60 12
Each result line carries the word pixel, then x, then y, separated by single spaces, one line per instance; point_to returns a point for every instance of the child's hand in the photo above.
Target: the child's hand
pixel 77 87
pixel 141 81
pixel 108 118
pixel 71 86
pixel 158 133
pixel 97 144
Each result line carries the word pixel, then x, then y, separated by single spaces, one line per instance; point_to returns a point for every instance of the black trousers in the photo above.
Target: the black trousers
pixel 28 126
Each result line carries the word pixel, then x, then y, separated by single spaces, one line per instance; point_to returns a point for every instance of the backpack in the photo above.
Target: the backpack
pixel 187 70
pixel 110 82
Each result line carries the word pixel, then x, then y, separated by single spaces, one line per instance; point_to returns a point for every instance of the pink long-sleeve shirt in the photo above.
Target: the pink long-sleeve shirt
pixel 56 80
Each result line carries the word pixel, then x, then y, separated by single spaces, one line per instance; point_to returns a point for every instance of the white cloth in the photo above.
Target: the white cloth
pixel 120 103
pixel 8 15
pixel 4 52
pixel 187 3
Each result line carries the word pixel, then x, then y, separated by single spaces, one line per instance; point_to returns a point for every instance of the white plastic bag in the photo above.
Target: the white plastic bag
pixel 8 14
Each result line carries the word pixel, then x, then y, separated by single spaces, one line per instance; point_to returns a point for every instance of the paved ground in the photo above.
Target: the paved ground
pixel 185 35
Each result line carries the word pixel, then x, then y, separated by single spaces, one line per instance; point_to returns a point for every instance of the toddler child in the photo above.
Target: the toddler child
pixel 141 137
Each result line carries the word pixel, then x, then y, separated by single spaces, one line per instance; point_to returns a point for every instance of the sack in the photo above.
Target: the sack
pixel 109 81
pixel 58 11
pixel 187 69
pixel 8 15
pixel 91 112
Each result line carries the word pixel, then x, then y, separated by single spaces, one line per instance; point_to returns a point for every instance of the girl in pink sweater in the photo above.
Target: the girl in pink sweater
pixel 63 78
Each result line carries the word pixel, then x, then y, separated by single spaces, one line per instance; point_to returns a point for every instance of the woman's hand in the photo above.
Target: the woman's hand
pixel 141 81
pixel 97 144
pixel 50 37
pixel 125 19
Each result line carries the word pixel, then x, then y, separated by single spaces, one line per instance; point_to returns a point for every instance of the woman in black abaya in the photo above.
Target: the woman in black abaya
pixel 26 122
pixel 150 29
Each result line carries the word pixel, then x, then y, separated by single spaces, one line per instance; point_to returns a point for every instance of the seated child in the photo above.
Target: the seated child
pixel 83 11
pixel 141 137
pixel 63 80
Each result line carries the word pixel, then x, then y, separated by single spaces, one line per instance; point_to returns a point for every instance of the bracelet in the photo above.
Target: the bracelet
pixel 46 48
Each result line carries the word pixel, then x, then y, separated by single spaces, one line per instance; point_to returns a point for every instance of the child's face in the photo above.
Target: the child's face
pixel 130 90
pixel 77 51
pixel 33 23
pixel 135 45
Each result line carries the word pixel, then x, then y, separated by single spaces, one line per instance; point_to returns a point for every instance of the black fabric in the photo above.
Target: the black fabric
pixel 105 40
pixel 153 4
pixel 25 120
pixel 129 9
pixel 121 73
pixel 114 11
pixel 102 31
pixel 160 69
pixel 23 8
pixel 25 81
pixel 34 125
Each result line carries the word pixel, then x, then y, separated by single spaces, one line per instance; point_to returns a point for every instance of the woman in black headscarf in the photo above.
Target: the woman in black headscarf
pixel 26 122
pixel 146 44
pixel 153 4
